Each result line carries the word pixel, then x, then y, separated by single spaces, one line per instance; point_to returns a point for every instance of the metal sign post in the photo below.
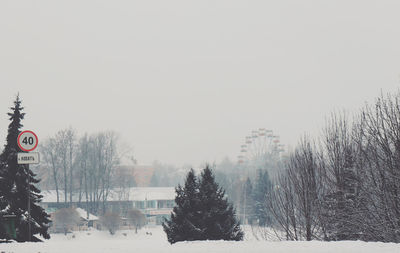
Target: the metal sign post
pixel 28 141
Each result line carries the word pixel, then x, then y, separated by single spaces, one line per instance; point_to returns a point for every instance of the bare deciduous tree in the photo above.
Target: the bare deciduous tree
pixel 340 181
pixel 66 218
pixel 136 218
pixel 294 201
pixel 111 221
pixel 379 145
pixel 51 160
pixel 349 188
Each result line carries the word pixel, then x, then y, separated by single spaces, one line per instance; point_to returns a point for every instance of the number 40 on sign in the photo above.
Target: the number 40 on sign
pixel 27 141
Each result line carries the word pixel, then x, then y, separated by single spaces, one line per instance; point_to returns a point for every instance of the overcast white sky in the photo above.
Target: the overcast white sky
pixel 185 81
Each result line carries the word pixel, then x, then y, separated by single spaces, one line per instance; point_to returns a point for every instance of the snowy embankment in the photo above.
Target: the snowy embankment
pixel 102 242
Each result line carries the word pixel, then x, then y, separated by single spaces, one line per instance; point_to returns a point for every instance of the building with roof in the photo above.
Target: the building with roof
pixel 155 202
pixel 86 220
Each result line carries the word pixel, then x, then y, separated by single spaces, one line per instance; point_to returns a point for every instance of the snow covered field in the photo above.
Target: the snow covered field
pixel 103 242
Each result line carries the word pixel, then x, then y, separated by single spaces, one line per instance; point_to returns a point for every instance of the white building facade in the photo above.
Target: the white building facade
pixel 155 202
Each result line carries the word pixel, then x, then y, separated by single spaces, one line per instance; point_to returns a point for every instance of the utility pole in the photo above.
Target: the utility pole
pixel 29 206
pixel 27 141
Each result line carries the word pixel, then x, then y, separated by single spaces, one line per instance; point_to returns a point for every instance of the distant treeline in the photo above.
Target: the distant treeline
pixel 85 169
pixel 81 170
pixel 344 185
pixel 341 185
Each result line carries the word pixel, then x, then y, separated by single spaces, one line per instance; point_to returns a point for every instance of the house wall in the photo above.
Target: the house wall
pixel 155 210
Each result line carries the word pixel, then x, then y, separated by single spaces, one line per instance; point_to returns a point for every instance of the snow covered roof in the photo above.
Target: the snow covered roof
pixel 119 194
pixel 143 193
pixel 83 214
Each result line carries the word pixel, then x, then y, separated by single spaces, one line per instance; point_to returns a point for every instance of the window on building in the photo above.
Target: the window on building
pixel 170 203
pixel 151 204
pixel 139 204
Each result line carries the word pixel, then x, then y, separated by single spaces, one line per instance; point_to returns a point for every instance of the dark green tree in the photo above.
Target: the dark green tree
pixel 202 212
pixel 184 224
pixel 218 216
pixel 247 201
pixel 263 187
pixel 3 204
pixel 341 208
pixel 19 185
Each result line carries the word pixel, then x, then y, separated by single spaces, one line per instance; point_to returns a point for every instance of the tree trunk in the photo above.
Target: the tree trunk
pixel 70 171
pixel 55 176
pixel 65 181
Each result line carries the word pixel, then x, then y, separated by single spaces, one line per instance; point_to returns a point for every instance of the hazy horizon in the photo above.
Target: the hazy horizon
pixel 184 82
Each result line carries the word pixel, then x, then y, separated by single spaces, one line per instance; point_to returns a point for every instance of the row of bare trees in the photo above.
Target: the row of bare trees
pixel 67 219
pixel 82 169
pixel 346 184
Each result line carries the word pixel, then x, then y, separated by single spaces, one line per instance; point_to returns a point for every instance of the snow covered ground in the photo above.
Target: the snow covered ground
pixel 103 242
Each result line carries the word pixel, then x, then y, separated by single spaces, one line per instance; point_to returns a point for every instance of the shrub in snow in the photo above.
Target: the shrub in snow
pixel 65 219
pixel 111 221
pixel 136 218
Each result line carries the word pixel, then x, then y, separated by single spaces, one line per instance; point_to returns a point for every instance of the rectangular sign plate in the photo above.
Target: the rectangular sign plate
pixel 28 158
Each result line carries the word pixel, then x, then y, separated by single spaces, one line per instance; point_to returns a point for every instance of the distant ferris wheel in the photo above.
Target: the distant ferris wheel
pixel 259 147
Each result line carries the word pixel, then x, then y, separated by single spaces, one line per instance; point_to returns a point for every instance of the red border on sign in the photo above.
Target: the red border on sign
pixel 19 136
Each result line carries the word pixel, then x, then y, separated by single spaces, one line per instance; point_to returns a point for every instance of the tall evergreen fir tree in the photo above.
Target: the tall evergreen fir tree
pixel 185 220
pixel 263 187
pixel 202 212
pixel 218 215
pixel 19 185
pixel 247 200
pixel 3 203
pixel 341 207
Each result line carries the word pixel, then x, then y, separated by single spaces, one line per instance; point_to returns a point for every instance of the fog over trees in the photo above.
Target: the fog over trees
pixel 343 185
pixel 84 167
pixel 66 219
pixel 132 125
pixel 340 185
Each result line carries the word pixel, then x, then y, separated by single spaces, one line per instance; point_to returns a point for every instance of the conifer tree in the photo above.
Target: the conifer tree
pixel 19 185
pixel 184 224
pixel 202 212
pixel 262 188
pixel 247 200
pixel 217 214
pixel 340 208
pixel 3 204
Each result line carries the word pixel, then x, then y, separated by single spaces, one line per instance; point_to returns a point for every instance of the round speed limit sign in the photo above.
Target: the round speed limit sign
pixel 27 141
